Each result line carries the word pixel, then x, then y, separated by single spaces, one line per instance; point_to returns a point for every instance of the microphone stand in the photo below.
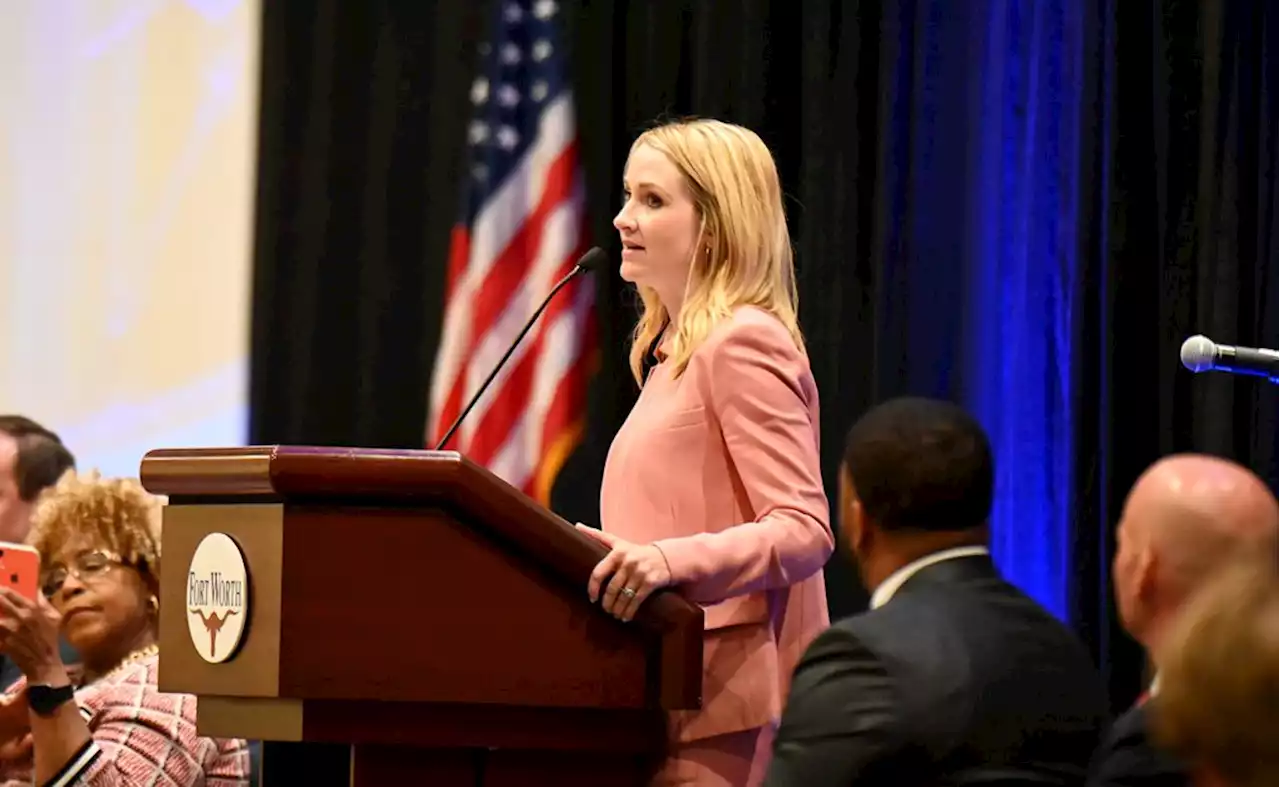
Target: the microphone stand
pixel 578 270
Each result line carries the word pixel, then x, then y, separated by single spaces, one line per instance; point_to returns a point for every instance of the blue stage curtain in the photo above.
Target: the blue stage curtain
pixel 982 166
pixel 1021 312
pixel 1060 192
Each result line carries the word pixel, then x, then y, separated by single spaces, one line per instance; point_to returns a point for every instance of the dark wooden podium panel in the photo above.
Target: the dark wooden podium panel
pixel 472 745
pixel 319 765
pixel 417 619
pixel 384 766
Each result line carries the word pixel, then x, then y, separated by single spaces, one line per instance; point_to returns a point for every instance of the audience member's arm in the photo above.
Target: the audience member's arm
pixel 842 718
pixel 62 743
pixel 136 728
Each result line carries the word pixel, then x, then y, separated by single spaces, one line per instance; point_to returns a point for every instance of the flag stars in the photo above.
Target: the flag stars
pixel 508 96
pixel 508 138
pixel 515 79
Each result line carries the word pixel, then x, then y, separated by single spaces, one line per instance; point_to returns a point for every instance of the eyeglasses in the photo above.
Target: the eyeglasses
pixel 85 566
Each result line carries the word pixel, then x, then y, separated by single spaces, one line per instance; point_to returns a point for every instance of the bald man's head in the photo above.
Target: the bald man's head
pixel 1184 519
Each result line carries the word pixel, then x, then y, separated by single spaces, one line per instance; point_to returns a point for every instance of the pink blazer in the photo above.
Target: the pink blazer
pixel 719 469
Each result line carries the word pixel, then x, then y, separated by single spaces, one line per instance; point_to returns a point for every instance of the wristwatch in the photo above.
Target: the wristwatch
pixel 45 700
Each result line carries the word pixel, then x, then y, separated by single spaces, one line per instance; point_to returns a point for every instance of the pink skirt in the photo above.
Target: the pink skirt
pixel 736 759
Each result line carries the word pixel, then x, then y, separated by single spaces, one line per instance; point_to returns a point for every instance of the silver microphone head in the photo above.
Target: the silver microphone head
pixel 1199 353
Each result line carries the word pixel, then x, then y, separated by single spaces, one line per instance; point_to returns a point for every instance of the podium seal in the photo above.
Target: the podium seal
pixel 217 598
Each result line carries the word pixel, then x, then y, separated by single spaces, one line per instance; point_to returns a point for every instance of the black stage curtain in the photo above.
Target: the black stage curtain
pixel 360 132
pixel 1184 224
pixel 364 106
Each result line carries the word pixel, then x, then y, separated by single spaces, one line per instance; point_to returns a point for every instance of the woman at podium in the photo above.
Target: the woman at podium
pixel 108 723
pixel 712 485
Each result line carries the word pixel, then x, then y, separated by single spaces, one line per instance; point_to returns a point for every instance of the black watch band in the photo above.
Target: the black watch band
pixel 45 700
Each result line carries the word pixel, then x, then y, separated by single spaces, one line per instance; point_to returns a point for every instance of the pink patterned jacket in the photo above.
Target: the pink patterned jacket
pixel 141 736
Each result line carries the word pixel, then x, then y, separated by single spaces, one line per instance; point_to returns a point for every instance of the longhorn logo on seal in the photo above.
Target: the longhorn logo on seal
pixel 217 597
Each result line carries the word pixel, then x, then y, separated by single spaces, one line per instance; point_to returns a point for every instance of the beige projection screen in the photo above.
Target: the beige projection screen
pixel 128 136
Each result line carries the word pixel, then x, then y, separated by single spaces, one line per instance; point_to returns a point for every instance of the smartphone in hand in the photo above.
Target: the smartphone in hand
pixel 20 569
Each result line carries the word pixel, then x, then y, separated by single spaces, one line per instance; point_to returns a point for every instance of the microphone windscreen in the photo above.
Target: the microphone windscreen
pixel 593 260
pixel 1199 353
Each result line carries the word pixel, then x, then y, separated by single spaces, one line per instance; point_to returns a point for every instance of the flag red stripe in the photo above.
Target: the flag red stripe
pixel 505 407
pixel 523 175
pixel 504 278
pixel 513 263
pixel 566 419
pixel 459 254
pixel 570 400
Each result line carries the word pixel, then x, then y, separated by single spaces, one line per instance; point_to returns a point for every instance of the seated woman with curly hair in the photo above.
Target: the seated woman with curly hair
pixel 100 558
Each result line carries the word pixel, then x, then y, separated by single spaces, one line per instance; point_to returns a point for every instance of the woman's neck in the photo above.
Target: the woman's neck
pixel 668 330
pixel 113 657
pixel 672 302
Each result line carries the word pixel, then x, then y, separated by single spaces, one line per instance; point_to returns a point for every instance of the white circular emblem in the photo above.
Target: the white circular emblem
pixel 217 597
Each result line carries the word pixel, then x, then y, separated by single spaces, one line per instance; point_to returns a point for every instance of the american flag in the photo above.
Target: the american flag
pixel 523 227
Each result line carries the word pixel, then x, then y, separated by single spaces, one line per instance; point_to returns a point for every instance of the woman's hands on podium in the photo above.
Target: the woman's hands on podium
pixel 637 569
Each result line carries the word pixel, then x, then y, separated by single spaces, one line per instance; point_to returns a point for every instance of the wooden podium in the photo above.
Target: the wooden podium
pixel 419 613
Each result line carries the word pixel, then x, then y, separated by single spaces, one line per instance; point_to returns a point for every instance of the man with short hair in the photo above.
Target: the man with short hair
pixel 32 458
pixel 1187 518
pixel 953 676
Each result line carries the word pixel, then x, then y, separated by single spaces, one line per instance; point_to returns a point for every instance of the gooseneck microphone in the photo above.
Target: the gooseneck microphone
pixel 1201 354
pixel 591 261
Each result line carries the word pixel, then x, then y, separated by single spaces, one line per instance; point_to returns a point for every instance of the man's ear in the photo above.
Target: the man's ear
pixel 860 536
pixel 853 519
pixel 1145 567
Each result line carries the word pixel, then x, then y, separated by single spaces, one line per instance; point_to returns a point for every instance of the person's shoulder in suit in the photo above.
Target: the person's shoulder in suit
pixel 1128 757
pixel 846 719
pixel 966 677
pixel 979 639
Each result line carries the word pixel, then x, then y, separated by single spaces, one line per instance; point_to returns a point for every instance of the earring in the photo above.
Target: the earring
pixel 154 604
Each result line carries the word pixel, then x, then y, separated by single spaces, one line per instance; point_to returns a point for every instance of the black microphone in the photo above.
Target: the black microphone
pixel 1201 354
pixel 591 261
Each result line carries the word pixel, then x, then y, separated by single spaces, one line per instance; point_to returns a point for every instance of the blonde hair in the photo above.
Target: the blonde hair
pixel 112 514
pixel 1217 702
pixel 743 256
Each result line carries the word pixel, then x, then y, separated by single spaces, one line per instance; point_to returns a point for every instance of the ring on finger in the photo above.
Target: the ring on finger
pixel 628 592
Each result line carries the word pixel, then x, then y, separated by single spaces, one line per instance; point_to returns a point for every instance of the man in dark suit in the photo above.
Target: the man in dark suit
pixel 954 676
pixel 1128 757
pixel 1186 519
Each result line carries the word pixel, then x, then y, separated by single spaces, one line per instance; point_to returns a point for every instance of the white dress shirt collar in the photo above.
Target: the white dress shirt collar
pixel 885 590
